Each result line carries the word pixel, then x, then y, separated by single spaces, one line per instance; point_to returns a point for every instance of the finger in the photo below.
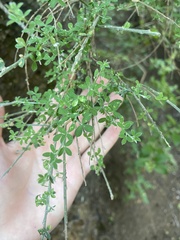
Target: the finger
pixel 2 113
pixel 105 143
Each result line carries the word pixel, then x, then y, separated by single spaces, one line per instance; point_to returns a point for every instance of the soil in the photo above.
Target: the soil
pixel 93 216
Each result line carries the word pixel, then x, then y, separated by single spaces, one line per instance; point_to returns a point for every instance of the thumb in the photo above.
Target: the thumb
pixel 2 112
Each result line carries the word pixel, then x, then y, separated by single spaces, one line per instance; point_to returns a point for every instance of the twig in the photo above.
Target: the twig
pixel 79 55
pixel 158 12
pixel 173 105
pixel 14 65
pixel 65 196
pixel 4 104
pixel 168 101
pixel 12 165
pixel 79 155
pixel 151 119
pixel 145 58
pixel 137 122
pixel 135 30
pixel 50 172
pixel 107 184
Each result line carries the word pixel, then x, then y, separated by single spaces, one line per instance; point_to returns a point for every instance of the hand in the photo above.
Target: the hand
pixel 19 217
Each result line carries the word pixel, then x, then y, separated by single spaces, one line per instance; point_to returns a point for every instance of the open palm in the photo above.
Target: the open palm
pixel 20 218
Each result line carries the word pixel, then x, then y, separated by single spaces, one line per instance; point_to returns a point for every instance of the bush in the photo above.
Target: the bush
pixel 132 43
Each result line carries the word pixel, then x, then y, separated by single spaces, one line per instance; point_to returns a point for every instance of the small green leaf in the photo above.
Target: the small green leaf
pixel 52 147
pixel 82 99
pixel 68 151
pixel 115 104
pixel 49 20
pixel 27 13
pixel 127 25
pixel 20 43
pixel 72 127
pixel 57 137
pixel 75 102
pixel 161 97
pixel 70 25
pixel 46 154
pixel 78 131
pixel 128 124
pixel 53 3
pixel 62 130
pixel 61 151
pixel 21 62
pixel 88 128
pixel 86 117
pixel 69 141
pixel 122 133
pixel 38 20
pixel 138 134
pixel 34 66
pixel 63 139
pixel 52 40
pixel 123 141
pixel 62 3
pixel 101 120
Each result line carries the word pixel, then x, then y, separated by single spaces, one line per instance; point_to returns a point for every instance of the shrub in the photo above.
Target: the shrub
pixel 65 39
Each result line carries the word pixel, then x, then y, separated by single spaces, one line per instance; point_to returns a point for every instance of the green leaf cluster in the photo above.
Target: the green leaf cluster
pixel 16 15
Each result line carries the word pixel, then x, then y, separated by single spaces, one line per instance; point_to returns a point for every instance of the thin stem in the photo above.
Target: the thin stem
pixel 168 101
pixel 137 122
pixel 107 184
pixel 65 196
pixel 79 55
pixel 79 155
pixel 173 105
pixel 50 173
pixel 12 66
pixel 160 13
pixel 151 119
pixel 12 165
pixel 134 30
pixel 145 58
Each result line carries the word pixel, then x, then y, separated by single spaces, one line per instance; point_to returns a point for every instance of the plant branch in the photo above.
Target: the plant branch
pixel 79 55
pixel 134 30
pixel 65 196
pixel 50 173
pixel 12 165
pixel 151 119
pixel 14 65
pixel 158 12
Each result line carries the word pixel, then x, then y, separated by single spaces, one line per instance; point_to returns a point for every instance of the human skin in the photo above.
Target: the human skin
pixel 20 218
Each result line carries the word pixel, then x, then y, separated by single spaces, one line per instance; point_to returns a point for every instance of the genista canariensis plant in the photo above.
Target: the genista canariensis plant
pixel 59 37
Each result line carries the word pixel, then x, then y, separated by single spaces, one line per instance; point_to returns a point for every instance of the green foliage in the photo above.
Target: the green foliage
pixel 16 15
pixel 67 53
